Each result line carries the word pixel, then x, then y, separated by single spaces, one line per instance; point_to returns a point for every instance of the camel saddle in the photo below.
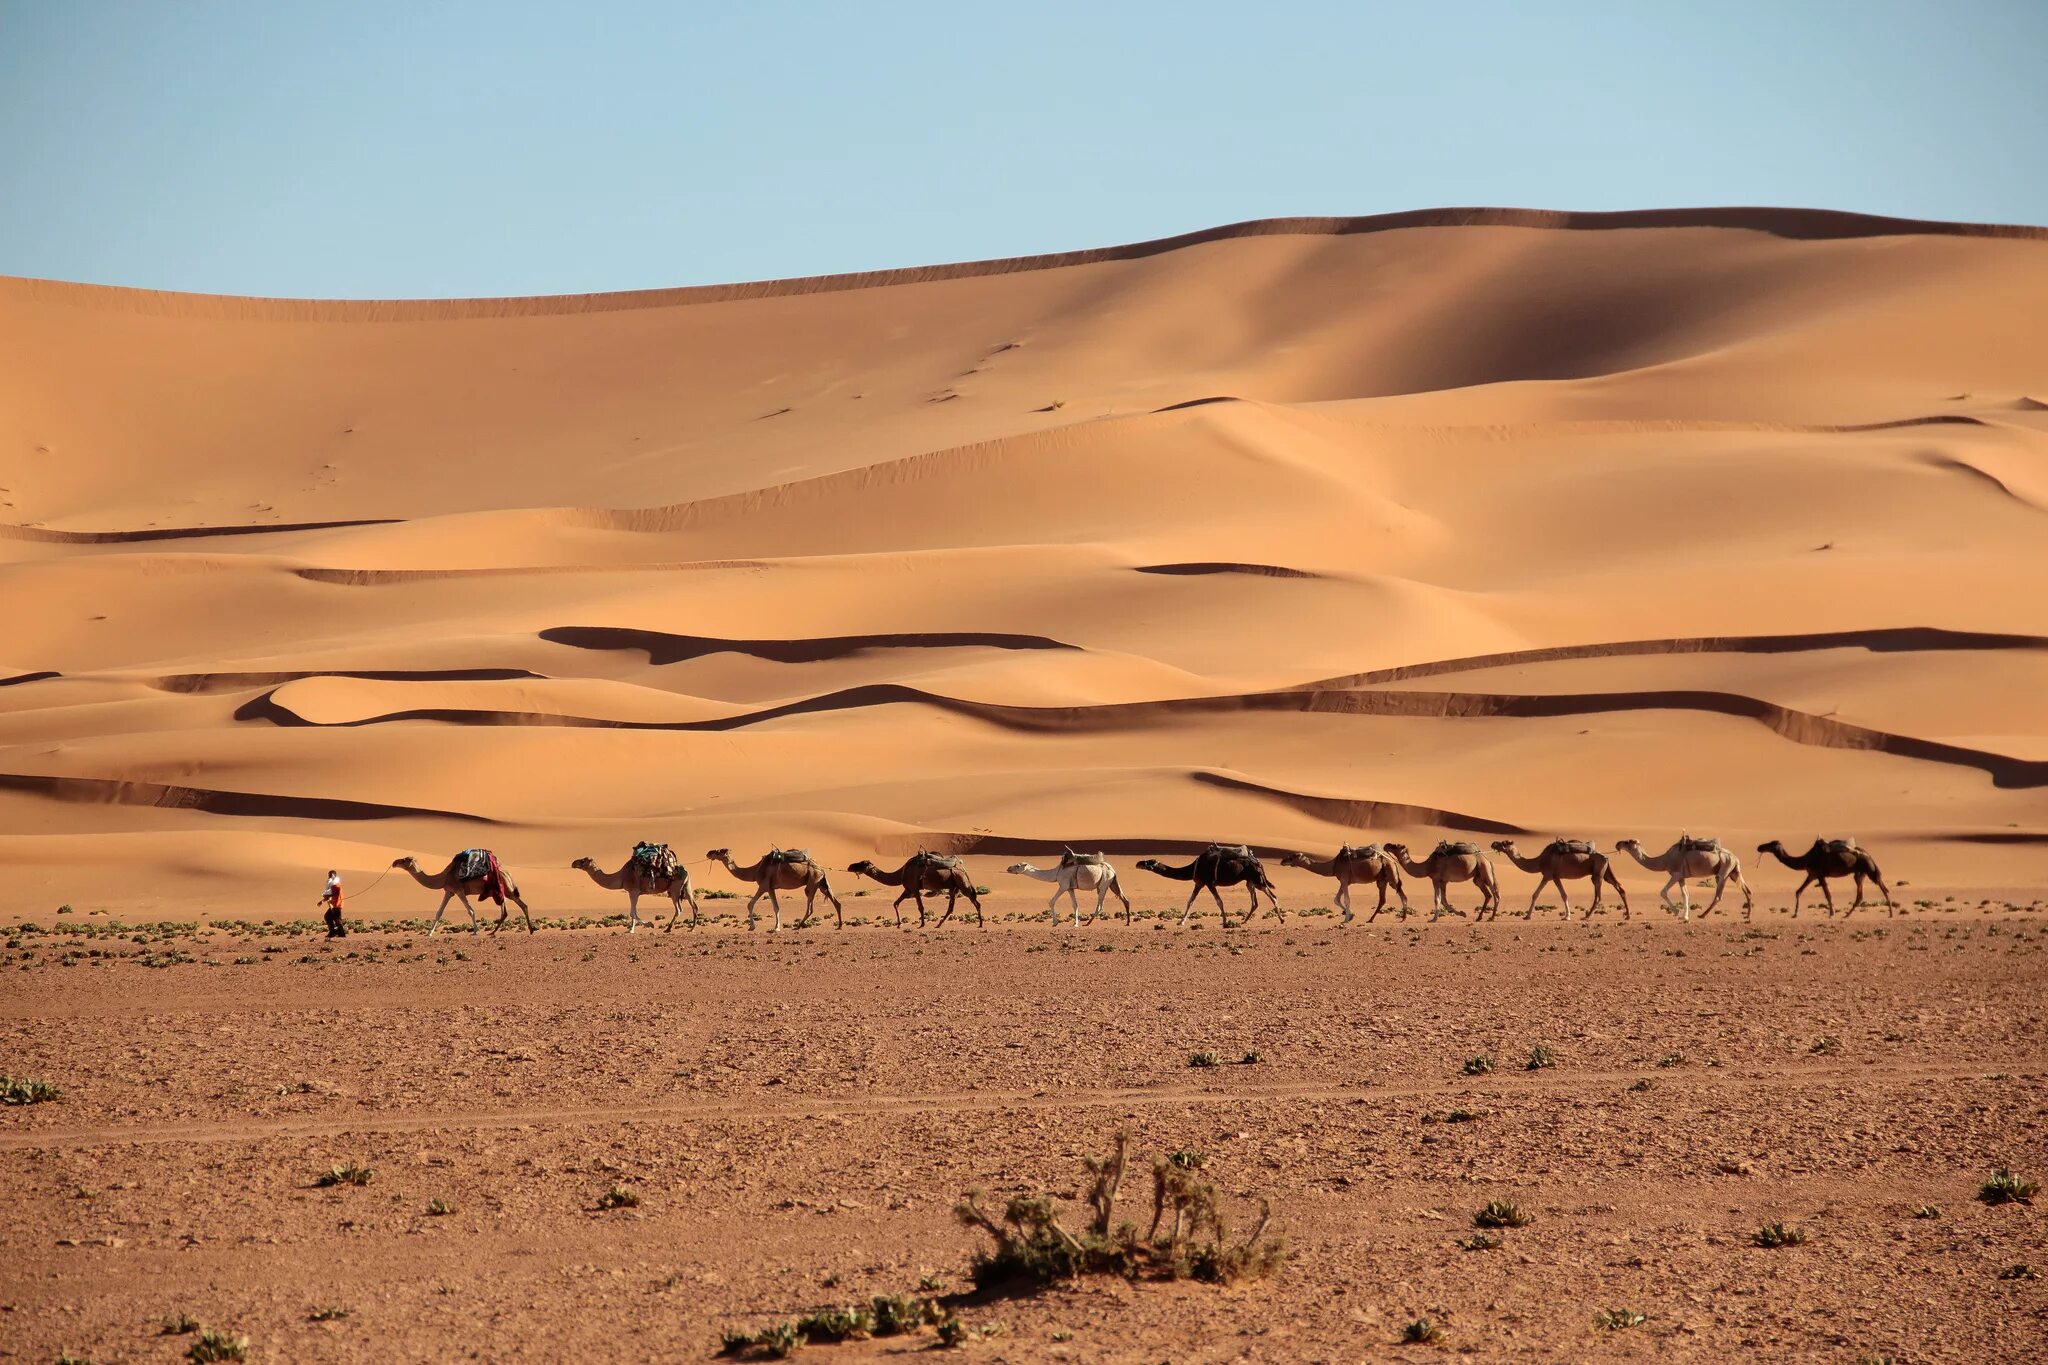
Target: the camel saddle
pixel 1069 858
pixel 927 858
pixel 1579 846
pixel 1242 852
pixel 1837 845
pixel 1688 843
pixel 786 855
pixel 472 863
pixel 1351 852
pixel 659 859
pixel 1455 848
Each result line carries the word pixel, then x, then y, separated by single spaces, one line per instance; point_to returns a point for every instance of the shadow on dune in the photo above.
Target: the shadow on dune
pixel 101 791
pixel 663 648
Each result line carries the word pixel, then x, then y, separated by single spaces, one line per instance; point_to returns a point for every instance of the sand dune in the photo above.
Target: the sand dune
pixel 1291 532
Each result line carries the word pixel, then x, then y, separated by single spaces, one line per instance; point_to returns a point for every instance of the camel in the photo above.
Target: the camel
pixel 1365 866
pixel 1453 862
pixel 637 879
pixel 924 872
pixel 1220 865
pixel 1565 860
pixel 1831 858
pixel 782 870
pixel 1689 858
pixel 462 888
pixel 1076 873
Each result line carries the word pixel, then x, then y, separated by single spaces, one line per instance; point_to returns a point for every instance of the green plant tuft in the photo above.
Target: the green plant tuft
pixel 349 1174
pixel 1618 1319
pixel 1421 1332
pixel 213 1344
pixel 1501 1213
pixel 18 1091
pixel 1778 1235
pixel 1478 1066
pixel 1540 1058
pixel 2006 1188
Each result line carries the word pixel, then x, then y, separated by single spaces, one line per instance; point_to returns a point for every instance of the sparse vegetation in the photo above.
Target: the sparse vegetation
pixel 1421 1332
pixel 213 1344
pixel 1478 1066
pixel 349 1174
pixel 439 1208
pixel 1252 1058
pixel 2006 1188
pixel 1204 1059
pixel 1482 1241
pixel 2021 1271
pixel 1540 1058
pixel 1775 1235
pixel 1501 1213
pixel 14 1090
pixel 1188 1237
pixel 619 1197
pixel 889 1316
pixel 1618 1319
pixel 179 1323
pixel 1461 1116
pixel 1826 1047
pixel 1926 1211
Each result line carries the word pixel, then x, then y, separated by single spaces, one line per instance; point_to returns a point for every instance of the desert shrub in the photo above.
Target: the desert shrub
pixel 1540 1058
pixel 212 1344
pixel 15 1090
pixel 1421 1332
pixel 179 1323
pixel 1926 1211
pixel 1481 1241
pixel 439 1208
pixel 1778 1235
pixel 619 1197
pixel 1204 1059
pixel 1501 1213
pixel 2006 1188
pixel 1252 1058
pixel 1478 1066
pixel 349 1174
pixel 1618 1319
pixel 1188 1237
pixel 1825 1047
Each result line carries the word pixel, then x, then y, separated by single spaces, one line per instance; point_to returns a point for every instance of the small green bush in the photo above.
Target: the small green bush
pixel 1618 1319
pixel 1778 1235
pixel 213 1344
pixel 619 1197
pixel 1540 1058
pixel 349 1174
pixel 1501 1213
pixel 1478 1066
pixel 2006 1188
pixel 1421 1332
pixel 14 1090
pixel 1204 1059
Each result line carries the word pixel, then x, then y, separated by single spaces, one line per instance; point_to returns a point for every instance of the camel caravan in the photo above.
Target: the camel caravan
pixel 654 869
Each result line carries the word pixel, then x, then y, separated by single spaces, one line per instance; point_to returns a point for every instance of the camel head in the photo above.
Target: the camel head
pixel 864 868
pixel 719 855
pixel 1398 850
pixel 1020 868
pixel 408 861
pixel 1774 846
pixel 585 864
pixel 1149 864
pixel 1503 845
pixel 1294 860
pixel 1631 844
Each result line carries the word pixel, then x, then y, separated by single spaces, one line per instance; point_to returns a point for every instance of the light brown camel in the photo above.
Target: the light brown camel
pixel 1689 858
pixel 1367 865
pixel 1831 858
pixel 638 879
pixel 462 888
pixel 1565 860
pixel 1453 862
pixel 924 872
pixel 782 870
pixel 1076 873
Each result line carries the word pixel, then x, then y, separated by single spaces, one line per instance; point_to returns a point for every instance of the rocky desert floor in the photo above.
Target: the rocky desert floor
pixel 798 1114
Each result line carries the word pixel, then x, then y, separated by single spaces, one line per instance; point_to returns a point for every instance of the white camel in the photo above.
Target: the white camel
pixel 1078 872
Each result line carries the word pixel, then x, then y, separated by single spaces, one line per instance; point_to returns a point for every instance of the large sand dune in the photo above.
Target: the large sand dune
pixel 1731 521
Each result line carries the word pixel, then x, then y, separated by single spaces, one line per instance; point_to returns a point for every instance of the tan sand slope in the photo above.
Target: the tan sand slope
pixel 1731 521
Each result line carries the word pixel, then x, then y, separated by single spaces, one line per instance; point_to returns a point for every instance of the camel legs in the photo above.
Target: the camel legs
pixel 759 891
pixel 1116 885
pixel 1343 899
pixel 909 894
pixel 438 911
pixel 1189 908
pixel 952 898
pixel 1607 875
pixel 1542 882
pixel 676 900
pixel 632 910
pixel 1052 907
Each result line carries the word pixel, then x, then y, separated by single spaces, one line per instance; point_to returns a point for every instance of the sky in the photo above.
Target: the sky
pixel 444 149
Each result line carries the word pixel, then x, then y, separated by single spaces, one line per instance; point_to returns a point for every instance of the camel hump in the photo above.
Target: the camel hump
pixel 1069 858
pixel 927 858
pixel 656 858
pixel 1243 851
pixel 788 855
pixel 1842 846
pixel 1574 846
pixel 1697 843
pixel 1455 848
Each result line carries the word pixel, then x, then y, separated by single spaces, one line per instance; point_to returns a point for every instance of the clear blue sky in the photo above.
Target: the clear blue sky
pixel 367 149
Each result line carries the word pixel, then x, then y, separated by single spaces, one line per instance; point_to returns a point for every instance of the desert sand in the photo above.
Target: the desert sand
pixel 1460 524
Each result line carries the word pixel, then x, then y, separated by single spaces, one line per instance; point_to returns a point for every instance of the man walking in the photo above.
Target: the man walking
pixel 331 898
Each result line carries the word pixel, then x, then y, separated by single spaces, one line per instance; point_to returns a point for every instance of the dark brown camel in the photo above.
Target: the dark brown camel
pixel 1831 858
pixel 921 873
pixel 1363 866
pixel 1220 865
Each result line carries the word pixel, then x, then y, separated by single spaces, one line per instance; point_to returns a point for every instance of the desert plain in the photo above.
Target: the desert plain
pixel 1470 524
